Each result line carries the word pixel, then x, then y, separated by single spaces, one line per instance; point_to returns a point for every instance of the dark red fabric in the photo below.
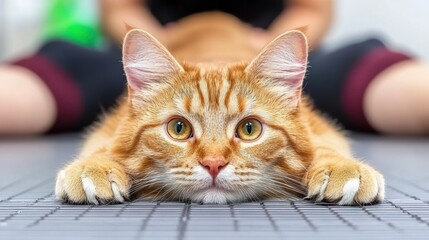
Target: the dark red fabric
pixel 68 97
pixel 359 78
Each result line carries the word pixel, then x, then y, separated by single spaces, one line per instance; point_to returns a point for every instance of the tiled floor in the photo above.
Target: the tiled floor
pixel 28 210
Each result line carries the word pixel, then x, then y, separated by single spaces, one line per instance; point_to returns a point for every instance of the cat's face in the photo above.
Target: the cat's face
pixel 215 134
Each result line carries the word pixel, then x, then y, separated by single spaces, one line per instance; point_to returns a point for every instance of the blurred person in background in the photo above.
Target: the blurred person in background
pixel 67 83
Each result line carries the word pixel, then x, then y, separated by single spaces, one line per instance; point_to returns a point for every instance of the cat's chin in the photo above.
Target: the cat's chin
pixel 215 195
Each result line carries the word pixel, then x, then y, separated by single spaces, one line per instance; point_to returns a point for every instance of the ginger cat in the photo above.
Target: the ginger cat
pixel 217 128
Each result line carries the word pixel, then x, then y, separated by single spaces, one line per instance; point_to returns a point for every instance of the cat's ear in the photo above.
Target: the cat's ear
pixel 147 63
pixel 281 65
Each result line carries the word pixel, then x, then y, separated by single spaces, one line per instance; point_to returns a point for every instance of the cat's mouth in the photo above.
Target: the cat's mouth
pixel 215 188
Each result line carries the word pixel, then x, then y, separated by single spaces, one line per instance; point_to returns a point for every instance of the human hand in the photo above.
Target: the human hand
pixel 259 38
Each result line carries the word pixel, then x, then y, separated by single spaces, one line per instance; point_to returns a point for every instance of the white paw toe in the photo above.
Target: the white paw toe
pixel 381 188
pixel 60 193
pixel 322 190
pixel 349 191
pixel 89 188
pixel 117 193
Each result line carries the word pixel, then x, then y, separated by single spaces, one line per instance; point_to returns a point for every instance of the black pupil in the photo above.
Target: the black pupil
pixel 248 127
pixel 179 127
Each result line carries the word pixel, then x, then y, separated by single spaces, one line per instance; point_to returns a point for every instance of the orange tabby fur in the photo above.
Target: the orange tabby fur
pixel 298 153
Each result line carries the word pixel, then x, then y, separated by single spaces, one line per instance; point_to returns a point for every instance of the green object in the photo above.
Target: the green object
pixel 74 20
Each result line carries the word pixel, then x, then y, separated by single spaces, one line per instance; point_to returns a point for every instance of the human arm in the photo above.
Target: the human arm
pixel 116 14
pixel 314 16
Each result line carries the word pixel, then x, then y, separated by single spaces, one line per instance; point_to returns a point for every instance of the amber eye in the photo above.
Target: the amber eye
pixel 249 129
pixel 179 129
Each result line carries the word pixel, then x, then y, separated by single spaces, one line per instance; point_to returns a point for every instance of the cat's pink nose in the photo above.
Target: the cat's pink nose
pixel 214 164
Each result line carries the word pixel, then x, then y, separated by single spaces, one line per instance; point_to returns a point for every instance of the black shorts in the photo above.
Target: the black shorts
pixel 83 81
pixel 337 81
pixel 86 81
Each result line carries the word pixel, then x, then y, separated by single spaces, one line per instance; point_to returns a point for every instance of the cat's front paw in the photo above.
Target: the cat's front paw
pixel 94 182
pixel 346 182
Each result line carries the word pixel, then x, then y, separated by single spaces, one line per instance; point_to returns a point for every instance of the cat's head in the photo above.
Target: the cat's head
pixel 215 134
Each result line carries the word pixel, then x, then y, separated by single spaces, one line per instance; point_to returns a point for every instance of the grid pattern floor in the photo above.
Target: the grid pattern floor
pixel 29 211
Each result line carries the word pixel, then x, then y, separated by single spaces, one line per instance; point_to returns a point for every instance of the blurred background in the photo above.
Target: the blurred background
pixel 402 24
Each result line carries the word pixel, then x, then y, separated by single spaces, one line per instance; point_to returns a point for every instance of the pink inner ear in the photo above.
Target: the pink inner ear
pixel 134 79
pixel 146 61
pixel 281 66
pixel 299 45
pixel 283 61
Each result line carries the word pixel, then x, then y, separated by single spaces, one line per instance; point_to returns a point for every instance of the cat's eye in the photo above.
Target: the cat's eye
pixel 249 129
pixel 179 129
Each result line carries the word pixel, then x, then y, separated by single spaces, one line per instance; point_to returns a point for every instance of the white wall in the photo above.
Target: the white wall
pixel 20 23
pixel 404 24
